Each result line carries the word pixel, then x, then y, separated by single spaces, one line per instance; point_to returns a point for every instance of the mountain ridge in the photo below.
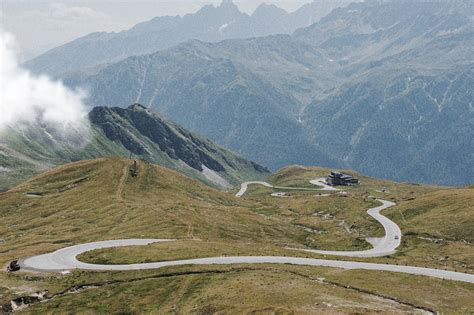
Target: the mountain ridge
pixel 134 131
pixel 301 98
pixel 210 23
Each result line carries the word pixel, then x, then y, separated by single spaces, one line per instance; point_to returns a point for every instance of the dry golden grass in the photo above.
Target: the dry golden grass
pixel 255 289
pixel 97 200
pixel 81 203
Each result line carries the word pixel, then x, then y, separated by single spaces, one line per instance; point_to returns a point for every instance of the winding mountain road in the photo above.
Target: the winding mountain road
pixel 381 246
pixel 319 182
pixel 65 259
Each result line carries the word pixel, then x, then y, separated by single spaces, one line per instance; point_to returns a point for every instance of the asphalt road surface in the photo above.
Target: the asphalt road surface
pixel 65 259
pixel 318 181
pixel 382 246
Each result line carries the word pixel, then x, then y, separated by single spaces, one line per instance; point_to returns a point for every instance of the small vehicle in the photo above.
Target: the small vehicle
pixel 13 266
pixel 397 237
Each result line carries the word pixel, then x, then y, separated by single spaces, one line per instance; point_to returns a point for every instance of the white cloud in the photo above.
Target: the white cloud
pixel 64 12
pixel 26 99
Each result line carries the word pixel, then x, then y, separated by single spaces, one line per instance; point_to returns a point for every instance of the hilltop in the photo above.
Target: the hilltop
pixel 134 131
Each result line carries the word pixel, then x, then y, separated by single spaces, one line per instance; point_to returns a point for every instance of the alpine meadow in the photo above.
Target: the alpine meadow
pixel 237 157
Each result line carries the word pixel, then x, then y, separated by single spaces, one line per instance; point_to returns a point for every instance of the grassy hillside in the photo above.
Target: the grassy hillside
pixel 83 200
pixel 28 150
pixel 439 226
pixel 97 200
pixel 435 221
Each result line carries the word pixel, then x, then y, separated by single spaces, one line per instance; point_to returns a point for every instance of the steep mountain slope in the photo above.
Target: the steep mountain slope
pixel 217 94
pixel 133 131
pixel 370 87
pixel 405 92
pixel 404 125
pixel 275 64
pixel 208 24
pixel 372 34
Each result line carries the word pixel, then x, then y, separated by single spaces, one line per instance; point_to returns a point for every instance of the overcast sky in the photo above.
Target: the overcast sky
pixel 39 25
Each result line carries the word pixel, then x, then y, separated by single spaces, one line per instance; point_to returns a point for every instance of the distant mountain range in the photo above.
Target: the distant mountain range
pixel 210 24
pixel 134 131
pixel 383 87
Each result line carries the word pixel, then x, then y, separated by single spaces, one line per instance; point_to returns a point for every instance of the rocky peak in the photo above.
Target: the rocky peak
pixel 138 106
pixel 150 130
pixel 266 10
pixel 229 4
pixel 226 7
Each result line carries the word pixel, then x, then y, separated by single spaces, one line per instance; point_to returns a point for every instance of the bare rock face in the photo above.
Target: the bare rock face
pixel 129 126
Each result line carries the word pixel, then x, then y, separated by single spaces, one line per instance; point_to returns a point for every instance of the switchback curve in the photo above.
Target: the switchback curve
pixel 65 259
